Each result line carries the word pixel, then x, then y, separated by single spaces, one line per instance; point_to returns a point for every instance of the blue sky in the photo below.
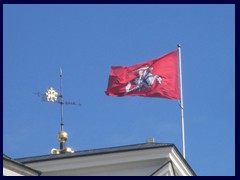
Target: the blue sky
pixel 86 40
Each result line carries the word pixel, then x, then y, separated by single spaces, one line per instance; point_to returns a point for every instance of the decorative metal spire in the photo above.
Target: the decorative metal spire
pixel 52 96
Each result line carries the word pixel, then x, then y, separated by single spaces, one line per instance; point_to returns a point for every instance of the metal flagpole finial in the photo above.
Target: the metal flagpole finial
pixel 179 45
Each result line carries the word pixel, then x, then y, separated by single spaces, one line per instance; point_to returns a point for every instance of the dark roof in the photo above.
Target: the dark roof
pixel 93 152
pixel 90 152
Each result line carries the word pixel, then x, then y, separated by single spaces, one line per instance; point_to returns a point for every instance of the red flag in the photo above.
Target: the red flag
pixel 154 78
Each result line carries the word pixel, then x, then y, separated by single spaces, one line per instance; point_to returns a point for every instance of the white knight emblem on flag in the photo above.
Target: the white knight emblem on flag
pixel 145 79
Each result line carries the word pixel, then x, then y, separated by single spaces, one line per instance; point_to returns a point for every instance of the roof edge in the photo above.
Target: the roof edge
pixel 92 152
pixel 12 161
pixel 184 160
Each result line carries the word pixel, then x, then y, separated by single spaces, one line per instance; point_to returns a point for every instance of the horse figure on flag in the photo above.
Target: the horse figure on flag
pixel 145 79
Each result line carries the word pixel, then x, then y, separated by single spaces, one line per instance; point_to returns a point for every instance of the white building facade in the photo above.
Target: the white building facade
pixel 147 159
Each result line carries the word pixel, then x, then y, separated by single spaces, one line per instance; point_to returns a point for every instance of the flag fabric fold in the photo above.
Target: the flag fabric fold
pixel 154 78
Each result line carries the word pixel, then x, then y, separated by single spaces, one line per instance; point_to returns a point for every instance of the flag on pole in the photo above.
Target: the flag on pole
pixel 154 78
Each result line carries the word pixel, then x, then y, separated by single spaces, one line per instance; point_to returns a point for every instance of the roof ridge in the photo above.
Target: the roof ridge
pixel 130 147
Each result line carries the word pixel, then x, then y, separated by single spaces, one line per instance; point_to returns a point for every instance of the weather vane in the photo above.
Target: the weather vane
pixel 52 96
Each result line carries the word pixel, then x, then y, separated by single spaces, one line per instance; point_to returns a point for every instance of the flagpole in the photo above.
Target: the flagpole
pixel 181 99
pixel 61 100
